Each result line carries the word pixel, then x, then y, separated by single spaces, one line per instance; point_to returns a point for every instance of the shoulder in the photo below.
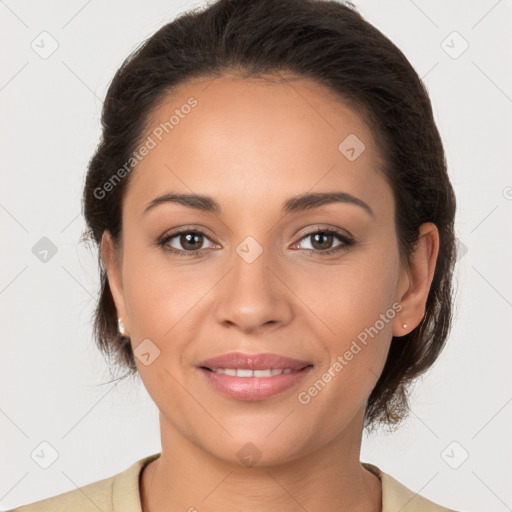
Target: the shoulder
pixel 92 497
pixel 117 492
pixel 397 497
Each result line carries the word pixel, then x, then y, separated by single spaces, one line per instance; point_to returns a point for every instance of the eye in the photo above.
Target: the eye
pixel 190 242
pixel 185 243
pixel 322 240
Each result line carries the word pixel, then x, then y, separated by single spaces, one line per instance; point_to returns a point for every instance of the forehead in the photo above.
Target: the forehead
pixel 255 141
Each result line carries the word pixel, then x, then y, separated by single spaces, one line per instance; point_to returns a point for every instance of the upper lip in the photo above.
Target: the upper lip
pixel 253 361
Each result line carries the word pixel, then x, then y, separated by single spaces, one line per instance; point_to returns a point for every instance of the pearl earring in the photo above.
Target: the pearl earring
pixel 120 326
pixel 404 326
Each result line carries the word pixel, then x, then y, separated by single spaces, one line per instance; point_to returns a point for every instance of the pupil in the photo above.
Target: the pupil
pixel 326 237
pixel 188 240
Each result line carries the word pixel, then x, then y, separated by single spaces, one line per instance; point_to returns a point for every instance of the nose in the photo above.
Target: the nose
pixel 253 295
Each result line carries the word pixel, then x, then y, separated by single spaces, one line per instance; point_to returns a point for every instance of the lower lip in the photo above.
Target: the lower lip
pixel 253 388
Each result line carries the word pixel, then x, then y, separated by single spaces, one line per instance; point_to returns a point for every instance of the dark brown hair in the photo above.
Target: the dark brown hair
pixel 328 42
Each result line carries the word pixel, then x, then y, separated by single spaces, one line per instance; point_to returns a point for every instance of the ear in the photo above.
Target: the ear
pixel 112 263
pixel 415 280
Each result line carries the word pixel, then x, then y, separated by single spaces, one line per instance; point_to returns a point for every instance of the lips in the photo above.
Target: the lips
pixel 253 376
pixel 254 362
pixel 243 373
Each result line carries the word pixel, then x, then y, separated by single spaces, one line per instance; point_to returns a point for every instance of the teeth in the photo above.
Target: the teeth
pixel 242 372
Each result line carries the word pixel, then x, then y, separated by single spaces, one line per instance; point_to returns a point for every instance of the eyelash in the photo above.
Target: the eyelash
pixel 347 242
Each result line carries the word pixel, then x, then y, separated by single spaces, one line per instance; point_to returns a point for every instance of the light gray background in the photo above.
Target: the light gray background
pixel 52 376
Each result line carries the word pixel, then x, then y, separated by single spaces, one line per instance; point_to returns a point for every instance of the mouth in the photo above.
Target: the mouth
pixel 253 376
pixel 244 373
pixel 242 361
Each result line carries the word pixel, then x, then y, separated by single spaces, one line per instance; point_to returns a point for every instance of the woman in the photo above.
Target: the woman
pixel 275 223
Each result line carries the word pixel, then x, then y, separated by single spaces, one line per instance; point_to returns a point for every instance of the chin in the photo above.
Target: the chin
pixel 257 449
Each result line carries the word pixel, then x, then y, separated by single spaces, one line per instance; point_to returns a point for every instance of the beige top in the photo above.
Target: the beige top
pixel 120 493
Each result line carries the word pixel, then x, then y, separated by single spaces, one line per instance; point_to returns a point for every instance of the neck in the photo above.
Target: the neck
pixel 187 478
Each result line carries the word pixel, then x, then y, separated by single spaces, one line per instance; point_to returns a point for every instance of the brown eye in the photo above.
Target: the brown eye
pixel 191 241
pixel 185 243
pixel 322 240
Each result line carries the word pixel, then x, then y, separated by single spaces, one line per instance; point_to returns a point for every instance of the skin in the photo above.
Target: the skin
pixel 251 145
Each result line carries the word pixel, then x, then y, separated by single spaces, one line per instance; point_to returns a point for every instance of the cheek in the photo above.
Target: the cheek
pixel 351 297
pixel 158 294
pixel 355 301
pixel 359 315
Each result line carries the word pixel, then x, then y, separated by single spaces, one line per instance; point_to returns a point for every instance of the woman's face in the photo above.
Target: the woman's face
pixel 262 281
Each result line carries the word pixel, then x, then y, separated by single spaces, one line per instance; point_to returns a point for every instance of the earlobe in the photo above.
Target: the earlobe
pixel 112 267
pixel 419 274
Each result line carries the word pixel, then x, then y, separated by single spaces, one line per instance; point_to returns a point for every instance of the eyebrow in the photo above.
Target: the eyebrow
pixel 294 204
